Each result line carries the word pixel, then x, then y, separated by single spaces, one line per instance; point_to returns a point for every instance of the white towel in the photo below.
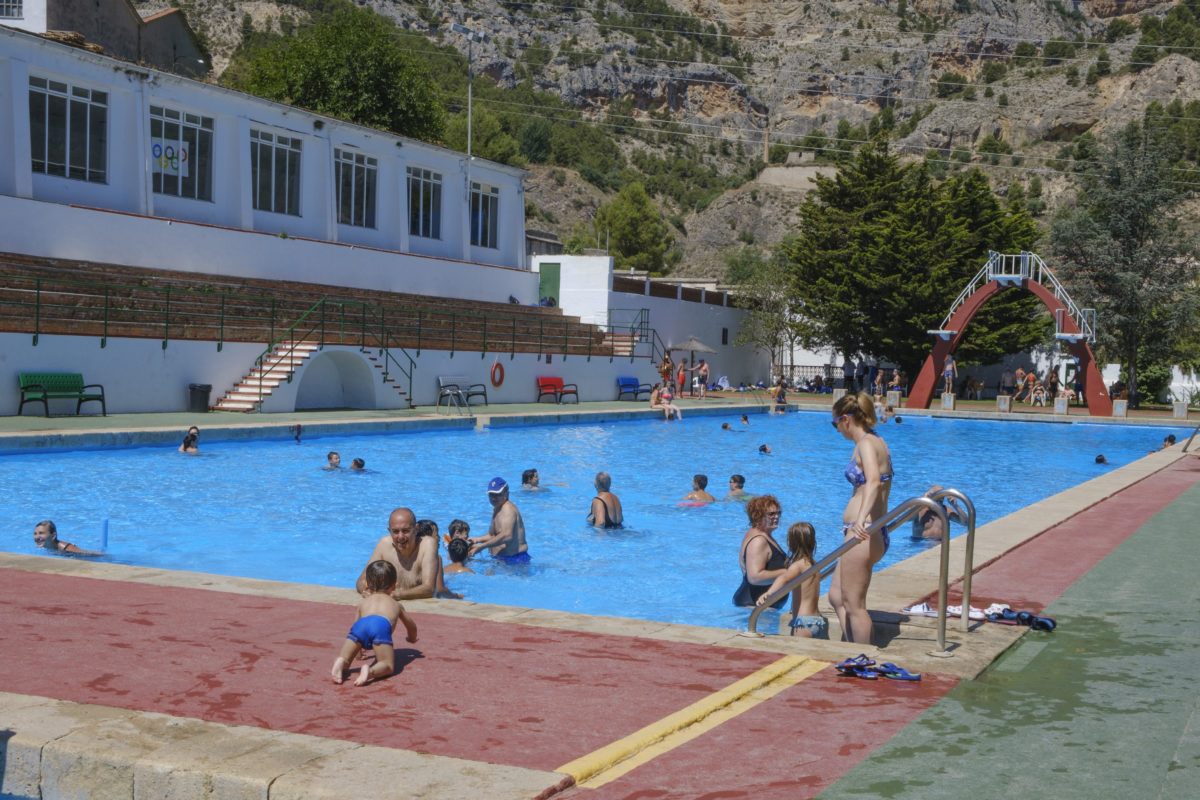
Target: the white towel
pixel 926 610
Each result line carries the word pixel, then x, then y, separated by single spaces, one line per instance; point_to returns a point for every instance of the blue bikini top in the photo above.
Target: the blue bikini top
pixel 856 476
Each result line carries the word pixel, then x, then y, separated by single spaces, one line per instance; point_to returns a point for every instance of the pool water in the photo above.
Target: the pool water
pixel 269 510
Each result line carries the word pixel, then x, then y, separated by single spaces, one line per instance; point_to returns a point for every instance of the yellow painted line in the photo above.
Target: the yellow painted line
pixel 614 760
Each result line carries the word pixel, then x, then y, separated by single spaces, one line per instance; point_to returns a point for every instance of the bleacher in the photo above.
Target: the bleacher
pixel 83 298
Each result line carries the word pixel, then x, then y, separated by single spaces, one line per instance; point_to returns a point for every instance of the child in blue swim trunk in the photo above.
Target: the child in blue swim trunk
pixel 376 618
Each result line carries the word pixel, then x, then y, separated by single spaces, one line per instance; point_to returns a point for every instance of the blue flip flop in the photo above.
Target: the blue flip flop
pixel 889 670
pixel 864 672
pixel 1035 622
pixel 859 660
pixel 1005 617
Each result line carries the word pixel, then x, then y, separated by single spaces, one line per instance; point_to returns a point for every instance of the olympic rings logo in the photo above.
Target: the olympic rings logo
pixel 168 157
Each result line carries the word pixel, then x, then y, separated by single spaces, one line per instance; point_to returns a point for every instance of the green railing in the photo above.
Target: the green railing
pixel 356 323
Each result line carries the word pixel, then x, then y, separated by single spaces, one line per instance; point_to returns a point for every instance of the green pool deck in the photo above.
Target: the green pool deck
pixel 1106 706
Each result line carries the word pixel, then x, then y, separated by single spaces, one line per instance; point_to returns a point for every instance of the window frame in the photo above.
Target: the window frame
pixel 283 154
pixel 484 215
pixel 360 208
pixel 197 184
pixel 424 203
pixel 83 149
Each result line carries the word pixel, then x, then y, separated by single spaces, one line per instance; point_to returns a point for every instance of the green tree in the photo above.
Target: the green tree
pixel 772 321
pixel 1120 249
pixel 348 65
pixel 488 139
pixel 638 236
pixel 882 251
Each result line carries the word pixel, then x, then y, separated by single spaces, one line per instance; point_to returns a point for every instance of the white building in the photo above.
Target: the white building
pixel 106 161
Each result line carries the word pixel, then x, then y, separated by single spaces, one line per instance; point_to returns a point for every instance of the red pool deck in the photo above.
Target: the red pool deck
pixel 503 693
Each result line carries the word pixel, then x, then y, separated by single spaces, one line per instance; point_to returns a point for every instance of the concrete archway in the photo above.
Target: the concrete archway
pixel 1028 271
pixel 336 379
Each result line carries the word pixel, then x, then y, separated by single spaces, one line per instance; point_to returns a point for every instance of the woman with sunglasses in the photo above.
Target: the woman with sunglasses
pixel 869 472
pixel 761 558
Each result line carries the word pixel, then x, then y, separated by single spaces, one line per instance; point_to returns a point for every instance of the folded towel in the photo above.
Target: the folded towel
pixel 926 610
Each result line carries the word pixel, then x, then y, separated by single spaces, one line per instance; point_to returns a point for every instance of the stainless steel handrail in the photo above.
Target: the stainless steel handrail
pixel 969 557
pixel 901 513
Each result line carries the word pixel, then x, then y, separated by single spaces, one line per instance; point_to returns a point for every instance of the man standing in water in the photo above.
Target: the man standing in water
pixel 506 535
pixel 415 559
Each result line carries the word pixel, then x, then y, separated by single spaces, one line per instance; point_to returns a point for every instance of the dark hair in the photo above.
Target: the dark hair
pixel 49 526
pixel 331 454
pixel 802 541
pixel 358 463
pixel 381 576
pixel 459 526
pixel 1170 438
pixel 859 407
pixel 701 481
pixel 758 507
pixel 1101 460
pixel 527 475
pixel 740 480
pixel 426 527
pixel 458 549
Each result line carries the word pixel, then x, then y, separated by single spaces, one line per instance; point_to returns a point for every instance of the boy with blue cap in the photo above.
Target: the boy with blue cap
pixel 505 538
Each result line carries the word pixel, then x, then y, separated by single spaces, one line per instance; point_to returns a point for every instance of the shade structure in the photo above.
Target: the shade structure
pixel 694 345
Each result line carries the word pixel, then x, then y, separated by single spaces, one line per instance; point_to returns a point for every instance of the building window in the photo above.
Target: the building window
pixel 11 9
pixel 485 215
pixel 424 203
pixel 355 176
pixel 275 172
pixel 181 147
pixel 68 130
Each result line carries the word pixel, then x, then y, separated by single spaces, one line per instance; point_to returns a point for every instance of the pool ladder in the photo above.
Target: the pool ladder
pixel 902 513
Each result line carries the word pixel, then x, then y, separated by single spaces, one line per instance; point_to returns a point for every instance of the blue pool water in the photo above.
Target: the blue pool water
pixel 268 509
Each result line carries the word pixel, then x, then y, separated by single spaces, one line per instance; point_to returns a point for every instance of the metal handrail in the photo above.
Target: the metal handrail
pixel 969 556
pixel 901 513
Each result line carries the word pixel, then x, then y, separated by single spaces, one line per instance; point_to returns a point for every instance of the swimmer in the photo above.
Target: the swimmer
pixel 458 550
pixel 807 620
pixel 1100 459
pixel 1167 442
pixel 374 621
pixel 698 493
pixel 725 426
pixel 764 449
pixel 529 480
pixel 333 460
pixel 737 489
pixel 357 465
pixel 606 507
pixel 745 420
pixel 45 535
pixel 888 413
pixel 506 533
pixel 459 529
pixel 191 442
pixel 428 529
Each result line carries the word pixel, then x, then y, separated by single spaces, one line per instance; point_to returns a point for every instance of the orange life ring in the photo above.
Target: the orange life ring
pixel 497 374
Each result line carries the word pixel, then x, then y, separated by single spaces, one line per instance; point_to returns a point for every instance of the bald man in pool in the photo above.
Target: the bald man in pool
pixel 415 560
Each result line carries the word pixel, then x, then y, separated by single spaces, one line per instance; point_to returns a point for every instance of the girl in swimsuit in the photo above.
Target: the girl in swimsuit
pixel 761 558
pixel 870 475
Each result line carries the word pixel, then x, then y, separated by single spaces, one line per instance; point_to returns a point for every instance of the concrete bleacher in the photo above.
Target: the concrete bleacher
pixel 83 298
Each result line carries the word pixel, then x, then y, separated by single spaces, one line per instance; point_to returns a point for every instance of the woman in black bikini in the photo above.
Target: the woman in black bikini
pixel 606 506
pixel 761 558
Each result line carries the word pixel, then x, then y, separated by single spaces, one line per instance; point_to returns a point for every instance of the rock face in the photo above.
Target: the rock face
pixel 774 71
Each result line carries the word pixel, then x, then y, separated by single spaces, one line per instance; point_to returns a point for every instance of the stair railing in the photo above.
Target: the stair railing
pixel 907 510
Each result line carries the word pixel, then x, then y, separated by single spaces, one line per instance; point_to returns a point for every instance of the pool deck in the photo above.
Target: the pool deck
pixel 120 681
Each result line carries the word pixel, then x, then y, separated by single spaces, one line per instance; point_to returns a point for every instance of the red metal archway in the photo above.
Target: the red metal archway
pixel 1073 325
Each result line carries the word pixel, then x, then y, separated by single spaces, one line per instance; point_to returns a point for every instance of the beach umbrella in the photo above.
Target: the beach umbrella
pixel 693 346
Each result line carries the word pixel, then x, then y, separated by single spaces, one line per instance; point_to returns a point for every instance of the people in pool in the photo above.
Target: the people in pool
pixel 458 549
pixel 927 524
pixel 764 449
pixel 737 488
pixel 374 620
pixel 698 494
pixel 760 557
pixel 427 528
pixel 505 538
pixel 414 558
pixel 45 536
pixel 358 465
pixel 333 460
pixel 606 507
pixel 807 621
pixel 529 480
pixel 869 473
pixel 745 419
pixel 1101 459
pixel 191 441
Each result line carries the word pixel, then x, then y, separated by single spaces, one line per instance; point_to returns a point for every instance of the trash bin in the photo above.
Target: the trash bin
pixel 198 397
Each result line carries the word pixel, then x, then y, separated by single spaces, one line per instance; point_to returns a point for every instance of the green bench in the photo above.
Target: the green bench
pixel 41 387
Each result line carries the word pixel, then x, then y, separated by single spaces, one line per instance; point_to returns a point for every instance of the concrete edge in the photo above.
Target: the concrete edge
pixel 58 748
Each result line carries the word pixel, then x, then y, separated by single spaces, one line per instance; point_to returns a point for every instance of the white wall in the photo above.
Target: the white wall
pixel 36 228
pixel 584 285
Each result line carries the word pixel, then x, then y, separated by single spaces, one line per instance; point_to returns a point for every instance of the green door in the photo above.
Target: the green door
pixel 548 281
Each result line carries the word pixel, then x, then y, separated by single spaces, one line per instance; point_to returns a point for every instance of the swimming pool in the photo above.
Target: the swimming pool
pixel 269 510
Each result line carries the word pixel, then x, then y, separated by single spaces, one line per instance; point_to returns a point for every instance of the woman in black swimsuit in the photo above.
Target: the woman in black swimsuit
pixel 606 506
pixel 761 558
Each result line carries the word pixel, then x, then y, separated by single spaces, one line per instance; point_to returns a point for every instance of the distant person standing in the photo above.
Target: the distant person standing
pixel 860 375
pixel 702 373
pixel 1007 381
pixel 949 375
pixel 848 375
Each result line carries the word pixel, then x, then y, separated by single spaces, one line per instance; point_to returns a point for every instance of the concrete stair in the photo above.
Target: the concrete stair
pixel 622 344
pixel 277 368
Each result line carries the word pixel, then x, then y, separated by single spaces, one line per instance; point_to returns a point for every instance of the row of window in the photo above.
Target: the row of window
pixel 11 9
pixel 68 131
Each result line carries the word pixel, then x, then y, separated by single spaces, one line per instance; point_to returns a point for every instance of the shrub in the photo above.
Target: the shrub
pixel 950 84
